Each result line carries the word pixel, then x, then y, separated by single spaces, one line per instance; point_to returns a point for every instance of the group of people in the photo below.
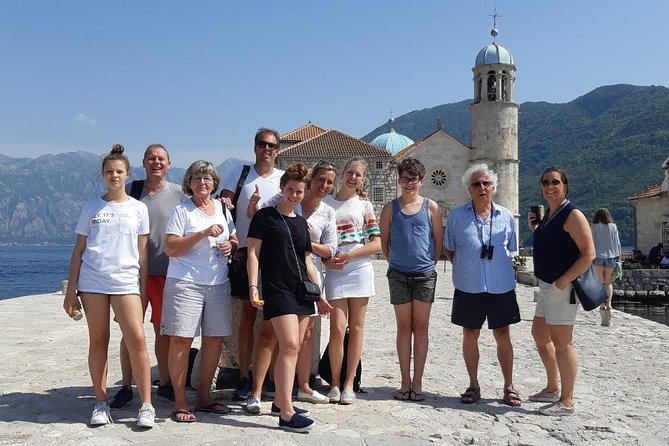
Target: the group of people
pixel 153 242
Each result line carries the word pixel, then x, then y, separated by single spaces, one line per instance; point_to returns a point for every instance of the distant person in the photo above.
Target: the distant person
pixel 108 267
pixel 349 277
pixel 607 253
pixel 279 245
pixel 655 255
pixel 411 240
pixel 480 239
pixel 160 197
pixel 200 236
pixel 260 184
pixel 563 250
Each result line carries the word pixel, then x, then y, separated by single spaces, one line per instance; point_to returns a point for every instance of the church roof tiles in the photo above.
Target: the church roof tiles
pixel 333 144
pixel 303 133
pixel 653 191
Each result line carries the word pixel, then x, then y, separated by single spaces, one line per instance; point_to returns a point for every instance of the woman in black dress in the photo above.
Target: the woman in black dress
pixel 279 244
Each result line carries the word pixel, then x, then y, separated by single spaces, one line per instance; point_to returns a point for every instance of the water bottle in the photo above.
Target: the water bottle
pixel 77 315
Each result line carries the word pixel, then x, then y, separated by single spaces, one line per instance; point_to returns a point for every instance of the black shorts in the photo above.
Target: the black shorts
pixel 471 309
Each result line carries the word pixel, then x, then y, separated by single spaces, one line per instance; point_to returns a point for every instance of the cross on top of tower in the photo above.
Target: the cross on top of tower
pixel 494 31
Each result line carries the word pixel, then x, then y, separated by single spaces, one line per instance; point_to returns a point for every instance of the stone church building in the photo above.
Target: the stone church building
pixel 651 214
pixel 494 141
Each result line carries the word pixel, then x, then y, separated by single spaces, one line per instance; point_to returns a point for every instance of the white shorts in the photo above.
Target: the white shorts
pixel 355 280
pixel 188 306
pixel 554 305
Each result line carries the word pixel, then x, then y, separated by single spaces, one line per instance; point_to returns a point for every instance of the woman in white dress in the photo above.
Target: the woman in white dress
pixel 349 279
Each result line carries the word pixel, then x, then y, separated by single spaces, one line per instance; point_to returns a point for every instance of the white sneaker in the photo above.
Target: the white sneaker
pixel 101 414
pixel 146 416
pixel 558 410
pixel 253 404
pixel 313 397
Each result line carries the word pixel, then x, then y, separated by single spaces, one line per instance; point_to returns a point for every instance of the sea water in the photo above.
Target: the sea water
pixel 28 270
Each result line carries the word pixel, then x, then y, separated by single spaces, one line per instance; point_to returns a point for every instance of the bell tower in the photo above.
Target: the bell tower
pixel 494 119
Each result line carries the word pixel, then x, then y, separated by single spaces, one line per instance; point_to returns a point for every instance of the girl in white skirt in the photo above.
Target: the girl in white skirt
pixel 349 280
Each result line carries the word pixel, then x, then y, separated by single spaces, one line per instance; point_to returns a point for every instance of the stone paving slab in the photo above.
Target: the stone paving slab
pixel 621 393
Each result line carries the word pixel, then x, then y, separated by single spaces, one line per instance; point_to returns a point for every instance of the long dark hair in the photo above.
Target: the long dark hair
pixel 563 177
pixel 602 215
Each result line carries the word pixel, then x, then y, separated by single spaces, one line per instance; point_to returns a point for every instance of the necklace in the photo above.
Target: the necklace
pixel 557 211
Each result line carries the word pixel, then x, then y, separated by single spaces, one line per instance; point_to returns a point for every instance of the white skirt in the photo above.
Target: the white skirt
pixel 355 280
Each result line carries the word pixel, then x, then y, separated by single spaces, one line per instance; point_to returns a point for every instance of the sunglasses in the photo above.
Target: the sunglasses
pixel 409 180
pixel 483 184
pixel 551 182
pixel 269 145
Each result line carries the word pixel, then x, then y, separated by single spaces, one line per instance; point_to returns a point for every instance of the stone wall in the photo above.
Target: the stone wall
pixel 643 285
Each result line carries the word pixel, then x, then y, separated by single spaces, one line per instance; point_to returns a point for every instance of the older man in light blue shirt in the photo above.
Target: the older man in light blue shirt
pixel 479 239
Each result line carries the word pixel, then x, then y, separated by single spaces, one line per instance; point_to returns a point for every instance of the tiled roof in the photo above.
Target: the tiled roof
pixel 407 150
pixel 652 191
pixel 303 133
pixel 334 144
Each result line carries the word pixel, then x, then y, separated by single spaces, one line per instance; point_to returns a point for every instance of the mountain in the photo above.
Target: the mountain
pixel 611 142
pixel 40 199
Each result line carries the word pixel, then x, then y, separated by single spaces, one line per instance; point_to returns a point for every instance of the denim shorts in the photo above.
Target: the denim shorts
pixel 609 262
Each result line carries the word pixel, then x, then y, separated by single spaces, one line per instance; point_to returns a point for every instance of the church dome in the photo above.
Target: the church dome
pixel 493 54
pixel 392 141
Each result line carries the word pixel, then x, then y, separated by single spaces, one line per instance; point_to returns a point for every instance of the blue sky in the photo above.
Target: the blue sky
pixel 202 76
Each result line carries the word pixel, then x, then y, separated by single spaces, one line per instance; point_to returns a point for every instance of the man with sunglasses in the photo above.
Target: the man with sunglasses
pixel 261 184
pixel 479 239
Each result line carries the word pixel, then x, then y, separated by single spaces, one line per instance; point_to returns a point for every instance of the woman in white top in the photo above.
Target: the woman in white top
pixel 607 253
pixel 200 236
pixel 349 280
pixel 108 267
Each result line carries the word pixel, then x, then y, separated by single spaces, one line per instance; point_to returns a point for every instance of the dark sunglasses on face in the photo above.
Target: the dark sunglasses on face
pixel 483 184
pixel 269 145
pixel 551 182
pixel 409 180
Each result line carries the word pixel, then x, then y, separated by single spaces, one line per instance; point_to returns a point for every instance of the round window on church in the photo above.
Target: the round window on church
pixel 438 177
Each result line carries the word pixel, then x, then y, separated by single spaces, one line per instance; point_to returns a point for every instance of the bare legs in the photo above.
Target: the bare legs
pixel 128 311
pixel 262 359
pixel 304 358
pixel 245 337
pixel 604 273
pixel 558 354
pixel 412 320
pixel 353 310
pixel 289 331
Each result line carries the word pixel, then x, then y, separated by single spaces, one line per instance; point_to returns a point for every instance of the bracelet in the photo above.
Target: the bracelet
pixel 253 286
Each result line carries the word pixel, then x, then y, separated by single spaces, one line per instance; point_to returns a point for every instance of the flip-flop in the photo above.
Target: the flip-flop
pixel 416 396
pixel 189 412
pixel 212 408
pixel 402 396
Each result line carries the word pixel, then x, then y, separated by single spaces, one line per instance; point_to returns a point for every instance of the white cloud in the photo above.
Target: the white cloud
pixel 81 117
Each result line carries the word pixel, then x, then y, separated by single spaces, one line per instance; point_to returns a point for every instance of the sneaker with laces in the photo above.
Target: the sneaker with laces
pixel 269 390
pixel 166 391
pixel 122 398
pixel 146 416
pixel 298 423
pixel 242 391
pixel 313 397
pixel 558 410
pixel 276 411
pixel 101 414
pixel 253 404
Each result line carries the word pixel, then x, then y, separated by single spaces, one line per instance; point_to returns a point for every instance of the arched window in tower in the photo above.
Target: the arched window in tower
pixel 492 86
pixel 505 86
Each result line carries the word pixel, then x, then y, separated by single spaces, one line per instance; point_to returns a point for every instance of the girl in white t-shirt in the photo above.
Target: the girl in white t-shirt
pixel 108 268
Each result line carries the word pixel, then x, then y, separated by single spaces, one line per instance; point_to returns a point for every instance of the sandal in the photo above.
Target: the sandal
pixel 190 418
pixel 402 395
pixel 511 397
pixel 471 395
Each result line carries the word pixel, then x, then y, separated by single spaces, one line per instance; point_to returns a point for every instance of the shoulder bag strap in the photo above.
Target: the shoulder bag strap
pixel 290 237
pixel 240 183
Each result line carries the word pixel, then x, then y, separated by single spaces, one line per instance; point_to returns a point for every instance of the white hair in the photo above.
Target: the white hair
pixel 478 169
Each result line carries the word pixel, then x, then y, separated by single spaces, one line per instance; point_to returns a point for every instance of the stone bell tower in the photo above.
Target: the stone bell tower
pixel 494 120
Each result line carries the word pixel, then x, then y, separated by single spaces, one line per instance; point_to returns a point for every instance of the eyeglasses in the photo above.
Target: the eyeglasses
pixel 206 180
pixel 551 182
pixel 483 184
pixel 409 180
pixel 264 144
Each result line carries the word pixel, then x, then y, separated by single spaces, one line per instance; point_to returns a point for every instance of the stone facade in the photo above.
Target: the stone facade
pixel 651 214
pixel 643 285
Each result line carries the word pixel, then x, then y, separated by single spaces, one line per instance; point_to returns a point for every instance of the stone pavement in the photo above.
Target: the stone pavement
pixel 621 393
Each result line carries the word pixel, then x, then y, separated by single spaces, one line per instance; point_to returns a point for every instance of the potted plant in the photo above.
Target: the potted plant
pixel 519 263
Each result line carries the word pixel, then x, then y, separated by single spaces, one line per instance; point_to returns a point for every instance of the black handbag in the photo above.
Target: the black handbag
pixel 239 278
pixel 589 290
pixel 306 290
